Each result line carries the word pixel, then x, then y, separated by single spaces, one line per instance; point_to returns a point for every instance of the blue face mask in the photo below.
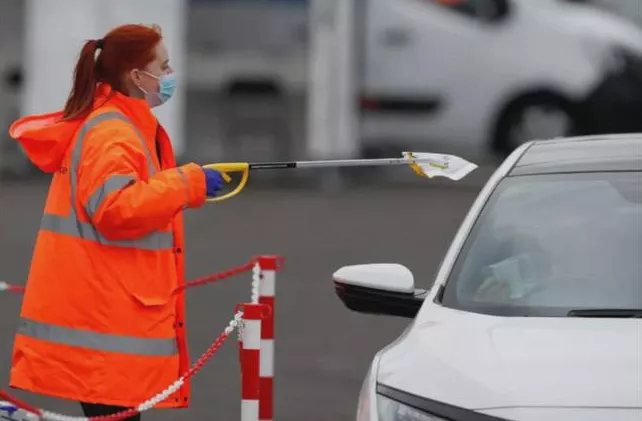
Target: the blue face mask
pixel 167 85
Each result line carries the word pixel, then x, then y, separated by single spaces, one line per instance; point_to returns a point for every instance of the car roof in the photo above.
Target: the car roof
pixel 622 152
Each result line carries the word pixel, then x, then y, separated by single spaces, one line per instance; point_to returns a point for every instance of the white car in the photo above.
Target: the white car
pixel 536 311
pixel 484 75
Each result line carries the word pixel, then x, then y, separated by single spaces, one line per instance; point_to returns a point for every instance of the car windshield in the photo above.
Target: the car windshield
pixel 545 245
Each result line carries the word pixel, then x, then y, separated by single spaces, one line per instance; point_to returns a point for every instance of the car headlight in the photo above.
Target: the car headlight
pixel 391 410
pixel 611 58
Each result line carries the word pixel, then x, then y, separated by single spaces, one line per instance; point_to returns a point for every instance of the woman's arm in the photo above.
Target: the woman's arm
pixel 120 204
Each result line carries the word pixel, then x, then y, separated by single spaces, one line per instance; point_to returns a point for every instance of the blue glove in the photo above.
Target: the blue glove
pixel 214 181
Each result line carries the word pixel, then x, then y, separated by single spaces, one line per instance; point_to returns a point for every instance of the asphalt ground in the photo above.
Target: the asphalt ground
pixel 322 349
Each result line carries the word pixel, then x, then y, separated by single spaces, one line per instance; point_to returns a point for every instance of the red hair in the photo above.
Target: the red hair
pixel 124 48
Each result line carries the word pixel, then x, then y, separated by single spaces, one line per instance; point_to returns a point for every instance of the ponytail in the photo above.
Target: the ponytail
pixel 81 97
pixel 122 49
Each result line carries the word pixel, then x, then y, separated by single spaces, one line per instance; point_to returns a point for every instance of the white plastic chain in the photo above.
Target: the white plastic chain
pixel 254 299
pixel 149 404
pixel 256 279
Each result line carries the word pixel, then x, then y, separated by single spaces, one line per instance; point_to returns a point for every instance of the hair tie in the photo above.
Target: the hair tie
pixel 99 44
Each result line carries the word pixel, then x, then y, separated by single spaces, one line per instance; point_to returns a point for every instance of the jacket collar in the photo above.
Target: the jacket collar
pixel 137 110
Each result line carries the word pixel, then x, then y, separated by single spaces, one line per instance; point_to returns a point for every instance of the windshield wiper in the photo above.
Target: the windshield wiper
pixel 607 312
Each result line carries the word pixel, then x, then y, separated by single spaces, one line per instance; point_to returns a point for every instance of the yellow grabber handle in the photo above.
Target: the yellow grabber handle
pixel 230 167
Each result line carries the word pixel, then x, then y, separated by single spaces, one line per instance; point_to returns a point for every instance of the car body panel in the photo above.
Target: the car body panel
pixel 478 361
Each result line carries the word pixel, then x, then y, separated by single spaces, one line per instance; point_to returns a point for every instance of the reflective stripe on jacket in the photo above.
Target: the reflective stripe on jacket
pixel 99 322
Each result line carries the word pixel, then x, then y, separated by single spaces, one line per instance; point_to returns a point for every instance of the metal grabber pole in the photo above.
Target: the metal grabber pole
pixel 423 164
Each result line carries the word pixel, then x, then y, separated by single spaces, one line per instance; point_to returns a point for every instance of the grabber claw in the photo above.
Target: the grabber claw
pixel 415 166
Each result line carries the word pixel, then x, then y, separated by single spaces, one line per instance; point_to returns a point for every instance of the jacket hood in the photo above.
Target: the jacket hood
pixel 45 138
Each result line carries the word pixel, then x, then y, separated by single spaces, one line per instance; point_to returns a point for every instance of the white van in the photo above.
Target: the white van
pixel 483 74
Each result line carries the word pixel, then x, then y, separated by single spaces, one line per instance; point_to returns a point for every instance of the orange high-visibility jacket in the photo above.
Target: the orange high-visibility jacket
pixel 99 322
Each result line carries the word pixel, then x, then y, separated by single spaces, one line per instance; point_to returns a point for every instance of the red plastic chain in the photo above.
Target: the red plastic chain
pixel 11 288
pixel 217 276
pixel 17 402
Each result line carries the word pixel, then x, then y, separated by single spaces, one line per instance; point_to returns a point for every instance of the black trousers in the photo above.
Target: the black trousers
pixel 96 409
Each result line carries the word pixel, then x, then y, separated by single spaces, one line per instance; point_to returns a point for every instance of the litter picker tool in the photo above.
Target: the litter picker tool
pixel 423 164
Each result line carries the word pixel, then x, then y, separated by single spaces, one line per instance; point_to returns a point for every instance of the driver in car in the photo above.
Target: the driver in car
pixel 517 263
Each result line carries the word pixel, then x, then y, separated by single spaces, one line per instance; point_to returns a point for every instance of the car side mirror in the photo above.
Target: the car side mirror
pixel 380 288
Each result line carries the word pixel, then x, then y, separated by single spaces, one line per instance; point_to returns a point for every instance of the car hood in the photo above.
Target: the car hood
pixel 483 362
pixel 593 23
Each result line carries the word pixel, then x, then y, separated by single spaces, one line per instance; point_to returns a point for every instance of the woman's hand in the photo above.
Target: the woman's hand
pixel 214 181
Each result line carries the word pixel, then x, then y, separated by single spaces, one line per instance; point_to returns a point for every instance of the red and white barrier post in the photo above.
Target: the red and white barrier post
pixel 250 356
pixel 267 287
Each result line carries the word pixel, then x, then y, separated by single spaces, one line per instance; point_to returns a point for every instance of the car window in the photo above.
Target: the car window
pixel 545 245
pixel 484 10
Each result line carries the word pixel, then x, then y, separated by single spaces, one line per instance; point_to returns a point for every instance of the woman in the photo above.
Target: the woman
pixel 99 323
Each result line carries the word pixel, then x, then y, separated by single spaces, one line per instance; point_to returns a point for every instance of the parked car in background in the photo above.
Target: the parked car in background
pixel 536 311
pixel 486 74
